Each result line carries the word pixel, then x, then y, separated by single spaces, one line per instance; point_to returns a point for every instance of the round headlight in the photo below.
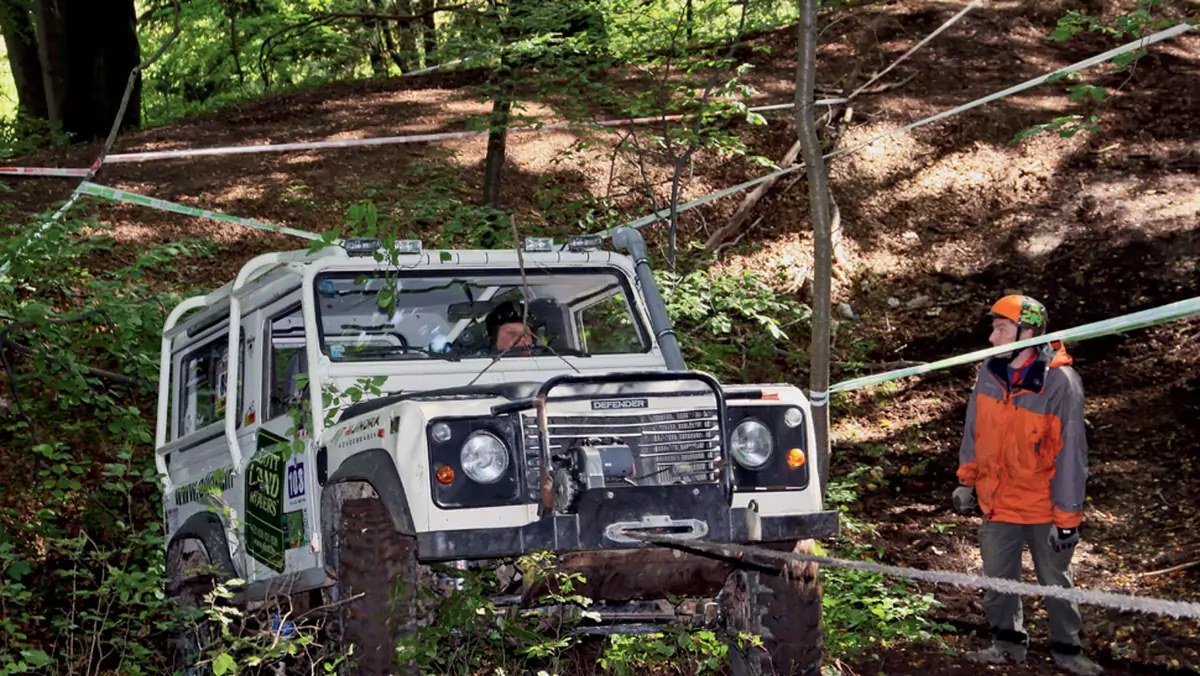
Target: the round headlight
pixel 441 433
pixel 751 444
pixel 484 458
pixel 793 417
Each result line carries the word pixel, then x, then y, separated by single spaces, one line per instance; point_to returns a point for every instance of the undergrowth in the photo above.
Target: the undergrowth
pixel 80 538
pixel 81 550
pixel 866 611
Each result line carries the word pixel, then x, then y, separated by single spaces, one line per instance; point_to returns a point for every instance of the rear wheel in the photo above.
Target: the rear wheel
pixel 191 577
pixel 376 562
pixel 783 608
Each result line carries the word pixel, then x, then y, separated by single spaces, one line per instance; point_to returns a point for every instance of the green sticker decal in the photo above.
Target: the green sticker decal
pixel 294 528
pixel 264 501
pixel 221 480
pixel 1033 313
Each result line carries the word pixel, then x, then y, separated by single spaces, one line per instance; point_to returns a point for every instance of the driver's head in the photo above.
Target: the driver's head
pixel 506 328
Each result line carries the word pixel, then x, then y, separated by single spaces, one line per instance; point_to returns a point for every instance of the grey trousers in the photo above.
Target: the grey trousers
pixel 1000 544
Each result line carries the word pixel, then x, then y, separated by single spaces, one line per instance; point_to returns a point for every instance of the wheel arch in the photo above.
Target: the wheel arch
pixel 208 531
pixel 366 474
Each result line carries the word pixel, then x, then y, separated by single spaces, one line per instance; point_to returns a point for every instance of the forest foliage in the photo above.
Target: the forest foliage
pixel 81 551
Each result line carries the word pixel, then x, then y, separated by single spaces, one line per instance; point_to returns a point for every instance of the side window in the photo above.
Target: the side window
pixel 608 327
pixel 205 389
pixel 286 360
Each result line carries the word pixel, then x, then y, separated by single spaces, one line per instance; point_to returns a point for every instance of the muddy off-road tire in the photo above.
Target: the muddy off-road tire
pixel 783 609
pixel 189 579
pixel 381 564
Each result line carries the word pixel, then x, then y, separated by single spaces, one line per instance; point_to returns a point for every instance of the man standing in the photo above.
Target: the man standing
pixel 1023 460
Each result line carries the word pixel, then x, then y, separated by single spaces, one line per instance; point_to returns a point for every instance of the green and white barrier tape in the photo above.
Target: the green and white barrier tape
pixel 1107 327
pixel 117 195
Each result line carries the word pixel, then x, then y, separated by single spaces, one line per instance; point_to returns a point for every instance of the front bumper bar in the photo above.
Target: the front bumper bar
pixel 566 532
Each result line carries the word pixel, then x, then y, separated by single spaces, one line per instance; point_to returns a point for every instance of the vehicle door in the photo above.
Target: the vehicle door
pixel 278 474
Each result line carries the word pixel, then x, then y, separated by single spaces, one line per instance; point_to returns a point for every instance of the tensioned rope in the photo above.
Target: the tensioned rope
pixel 104 157
pixel 1137 320
pixel 1143 604
pixel 819 398
pixel 1086 63
pixel 659 215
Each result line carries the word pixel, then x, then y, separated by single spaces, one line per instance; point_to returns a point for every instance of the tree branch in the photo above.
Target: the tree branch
pixel 1172 569
pixel 88 370
pixel 405 18
pixel 268 45
pixel 326 18
pixel 748 203
pixel 673 224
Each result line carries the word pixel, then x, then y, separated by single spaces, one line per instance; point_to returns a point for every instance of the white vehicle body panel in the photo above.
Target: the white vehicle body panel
pixel 270 508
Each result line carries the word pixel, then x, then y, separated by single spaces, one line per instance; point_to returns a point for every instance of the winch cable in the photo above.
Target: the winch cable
pixel 1127 602
pixel 1140 43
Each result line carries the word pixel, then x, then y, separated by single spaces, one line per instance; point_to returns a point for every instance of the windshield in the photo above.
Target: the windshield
pixel 485 313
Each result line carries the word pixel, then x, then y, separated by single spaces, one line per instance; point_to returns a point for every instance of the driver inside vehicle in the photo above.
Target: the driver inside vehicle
pixel 506 328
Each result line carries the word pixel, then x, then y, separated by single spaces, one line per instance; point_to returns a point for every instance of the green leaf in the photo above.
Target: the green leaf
pixel 18 570
pixel 224 664
pixel 36 658
pixel 1064 32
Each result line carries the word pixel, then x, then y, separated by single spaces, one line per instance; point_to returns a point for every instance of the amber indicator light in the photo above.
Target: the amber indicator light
pixel 445 475
pixel 795 458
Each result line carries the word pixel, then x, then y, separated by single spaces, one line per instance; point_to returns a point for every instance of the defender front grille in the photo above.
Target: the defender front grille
pixel 669 447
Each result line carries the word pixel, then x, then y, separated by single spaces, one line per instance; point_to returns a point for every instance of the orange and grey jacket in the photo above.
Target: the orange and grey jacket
pixel 1024 448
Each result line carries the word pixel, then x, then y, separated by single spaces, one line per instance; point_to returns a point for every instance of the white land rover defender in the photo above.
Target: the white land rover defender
pixel 521 401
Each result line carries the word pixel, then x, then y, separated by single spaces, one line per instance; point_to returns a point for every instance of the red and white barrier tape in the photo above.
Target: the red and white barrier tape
pixel 358 143
pixel 44 171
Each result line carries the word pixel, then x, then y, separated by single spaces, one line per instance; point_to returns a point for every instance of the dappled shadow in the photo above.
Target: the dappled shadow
pixel 962 174
pixel 313 193
pixel 1143 415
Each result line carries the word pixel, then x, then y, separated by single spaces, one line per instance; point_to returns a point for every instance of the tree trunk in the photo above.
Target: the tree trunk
pixel 820 215
pixel 389 47
pixel 429 33
pixel 493 165
pixel 502 101
pixel 49 44
pixel 688 20
pixel 234 48
pixel 406 34
pixel 20 39
pixel 380 48
pixel 100 50
pixel 88 48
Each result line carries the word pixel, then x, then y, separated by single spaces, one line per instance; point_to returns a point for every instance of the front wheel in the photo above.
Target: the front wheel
pixel 780 606
pixel 378 566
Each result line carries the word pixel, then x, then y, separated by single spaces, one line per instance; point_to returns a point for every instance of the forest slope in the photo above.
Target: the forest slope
pixel 943 220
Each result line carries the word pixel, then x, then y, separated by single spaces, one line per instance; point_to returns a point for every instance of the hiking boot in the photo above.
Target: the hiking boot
pixel 1077 664
pixel 1000 652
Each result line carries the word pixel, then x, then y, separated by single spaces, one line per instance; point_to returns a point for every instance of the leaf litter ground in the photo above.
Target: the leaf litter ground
pixel 939 222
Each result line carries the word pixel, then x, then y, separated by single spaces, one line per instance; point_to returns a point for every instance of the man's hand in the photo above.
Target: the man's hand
pixel 964 499
pixel 1063 538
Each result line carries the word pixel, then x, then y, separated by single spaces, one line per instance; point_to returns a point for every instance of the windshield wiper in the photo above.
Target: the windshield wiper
pixel 400 350
pixel 563 351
